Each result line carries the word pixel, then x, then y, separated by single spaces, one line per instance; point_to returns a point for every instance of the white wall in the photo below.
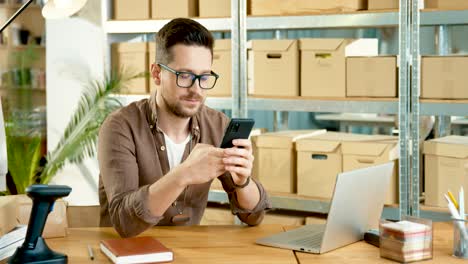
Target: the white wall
pixel 75 55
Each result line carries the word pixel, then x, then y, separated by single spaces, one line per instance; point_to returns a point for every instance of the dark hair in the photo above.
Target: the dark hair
pixel 181 31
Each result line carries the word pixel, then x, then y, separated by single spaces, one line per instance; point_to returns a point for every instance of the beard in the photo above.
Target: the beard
pixel 177 108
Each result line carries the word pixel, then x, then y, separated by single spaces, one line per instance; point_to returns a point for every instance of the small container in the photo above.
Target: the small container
pixel 460 239
pixel 406 241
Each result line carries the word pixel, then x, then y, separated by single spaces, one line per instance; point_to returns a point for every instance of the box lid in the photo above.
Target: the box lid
pixel 321 44
pixel 130 46
pixel 329 141
pixel 222 44
pixel 283 139
pixel 370 148
pixel 271 44
pixel 451 146
pixel 317 145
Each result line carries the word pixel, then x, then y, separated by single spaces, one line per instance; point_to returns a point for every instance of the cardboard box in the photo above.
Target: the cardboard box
pixel 7 213
pixel 444 77
pixel 446 163
pixel 362 154
pixel 215 8
pixel 162 9
pixel 56 224
pixel 323 64
pixel 294 7
pixel 16 209
pixel 273 68
pixel 383 4
pixel 275 159
pixel 83 216
pixel 132 57
pixel 217 216
pixel 222 66
pixel 446 4
pixel 371 76
pixel 151 59
pixel 320 159
pixel 131 10
pixel 283 219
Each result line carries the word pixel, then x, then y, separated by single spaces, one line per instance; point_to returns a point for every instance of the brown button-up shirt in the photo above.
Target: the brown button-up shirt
pixel 132 155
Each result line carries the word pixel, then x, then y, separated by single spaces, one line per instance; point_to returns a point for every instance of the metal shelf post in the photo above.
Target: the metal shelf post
pixel 443 47
pixel 404 112
pixel 239 58
pixel 415 109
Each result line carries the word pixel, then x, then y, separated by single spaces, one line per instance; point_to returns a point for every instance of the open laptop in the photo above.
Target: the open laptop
pixel 356 207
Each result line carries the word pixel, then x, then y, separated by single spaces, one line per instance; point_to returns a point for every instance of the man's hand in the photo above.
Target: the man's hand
pixel 239 160
pixel 204 163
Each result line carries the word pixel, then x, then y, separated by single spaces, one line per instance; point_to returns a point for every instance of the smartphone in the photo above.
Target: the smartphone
pixel 237 128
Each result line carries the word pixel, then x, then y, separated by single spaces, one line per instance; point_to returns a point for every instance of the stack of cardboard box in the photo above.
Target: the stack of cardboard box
pixel 16 209
pixel 321 158
pixel 446 163
pixel 133 58
pixel 275 159
pixel 296 7
pixel 155 9
pixel 444 77
pixel 307 162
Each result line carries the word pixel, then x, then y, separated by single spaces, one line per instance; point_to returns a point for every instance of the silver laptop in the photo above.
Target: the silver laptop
pixel 356 207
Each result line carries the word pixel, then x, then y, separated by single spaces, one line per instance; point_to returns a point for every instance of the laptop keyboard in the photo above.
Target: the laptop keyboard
pixel 309 239
pixel 307 236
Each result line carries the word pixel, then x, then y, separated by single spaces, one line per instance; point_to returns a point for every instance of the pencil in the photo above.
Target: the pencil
pixel 90 252
pixel 452 198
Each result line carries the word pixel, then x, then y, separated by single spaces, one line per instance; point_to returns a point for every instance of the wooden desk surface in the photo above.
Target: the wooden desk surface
pixel 235 244
pixel 362 252
pixel 196 244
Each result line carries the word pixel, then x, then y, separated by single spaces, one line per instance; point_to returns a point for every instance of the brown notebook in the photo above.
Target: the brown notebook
pixel 136 250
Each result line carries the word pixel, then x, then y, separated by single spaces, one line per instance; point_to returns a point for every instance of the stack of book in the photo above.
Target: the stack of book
pixel 12 240
pixel 405 241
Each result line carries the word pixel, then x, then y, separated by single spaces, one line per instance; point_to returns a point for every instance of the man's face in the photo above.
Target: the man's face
pixel 185 102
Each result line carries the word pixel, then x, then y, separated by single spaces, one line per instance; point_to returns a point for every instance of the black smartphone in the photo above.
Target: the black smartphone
pixel 237 128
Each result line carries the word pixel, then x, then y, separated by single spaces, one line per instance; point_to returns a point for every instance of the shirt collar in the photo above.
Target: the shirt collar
pixel 152 117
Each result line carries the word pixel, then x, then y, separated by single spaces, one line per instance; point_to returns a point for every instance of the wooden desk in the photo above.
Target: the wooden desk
pixel 197 244
pixel 362 252
pixel 235 244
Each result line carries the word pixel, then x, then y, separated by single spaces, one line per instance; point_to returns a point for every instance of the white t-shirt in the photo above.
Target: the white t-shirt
pixel 175 151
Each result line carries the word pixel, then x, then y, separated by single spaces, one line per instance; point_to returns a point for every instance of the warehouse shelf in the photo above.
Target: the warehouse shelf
pixel 340 105
pixel 342 20
pixel 311 205
pixel 239 24
pixel 213 102
pixel 445 107
pixel 152 26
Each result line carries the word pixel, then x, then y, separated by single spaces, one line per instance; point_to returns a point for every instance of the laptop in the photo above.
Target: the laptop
pixel 356 207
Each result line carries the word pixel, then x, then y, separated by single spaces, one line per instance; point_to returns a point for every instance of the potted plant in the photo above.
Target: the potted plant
pixel 77 142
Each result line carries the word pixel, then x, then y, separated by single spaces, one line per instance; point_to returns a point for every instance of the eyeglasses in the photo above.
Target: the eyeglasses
pixel 187 79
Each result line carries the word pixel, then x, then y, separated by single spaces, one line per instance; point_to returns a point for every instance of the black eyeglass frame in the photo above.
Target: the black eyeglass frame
pixel 194 76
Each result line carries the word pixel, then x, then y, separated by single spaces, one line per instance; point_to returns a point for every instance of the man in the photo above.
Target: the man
pixel 158 156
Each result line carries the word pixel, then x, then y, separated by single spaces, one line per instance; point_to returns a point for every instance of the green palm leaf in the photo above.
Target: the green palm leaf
pixel 24 153
pixel 79 139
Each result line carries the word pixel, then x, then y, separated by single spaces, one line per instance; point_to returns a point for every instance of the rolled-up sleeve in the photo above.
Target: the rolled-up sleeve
pixel 128 202
pixel 250 217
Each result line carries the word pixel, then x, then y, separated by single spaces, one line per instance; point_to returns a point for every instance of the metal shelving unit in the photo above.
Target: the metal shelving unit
pixel 347 20
pixel 408 106
pixel 296 203
pixel 213 102
pixel 389 106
